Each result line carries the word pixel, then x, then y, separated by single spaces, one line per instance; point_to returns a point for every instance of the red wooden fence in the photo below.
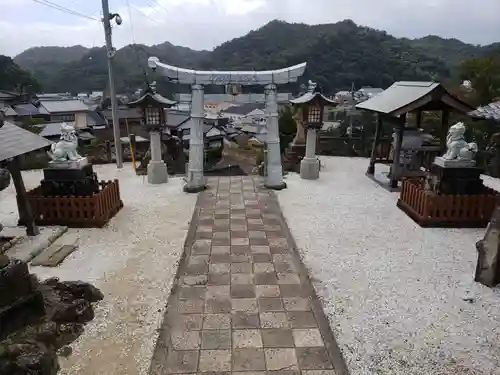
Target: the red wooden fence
pixel 77 212
pixel 430 209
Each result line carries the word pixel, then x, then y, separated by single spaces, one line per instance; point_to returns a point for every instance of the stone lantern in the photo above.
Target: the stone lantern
pixel 152 106
pixel 312 107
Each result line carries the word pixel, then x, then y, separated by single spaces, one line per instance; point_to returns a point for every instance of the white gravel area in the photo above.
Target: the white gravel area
pixel 133 261
pixel 393 292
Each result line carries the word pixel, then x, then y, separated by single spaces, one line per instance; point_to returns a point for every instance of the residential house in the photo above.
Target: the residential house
pixel 8 114
pixel 214 106
pixel 7 98
pixel 130 120
pixel 52 132
pixel 366 93
pixel 67 110
pixel 54 96
pixel 248 113
pixel 213 130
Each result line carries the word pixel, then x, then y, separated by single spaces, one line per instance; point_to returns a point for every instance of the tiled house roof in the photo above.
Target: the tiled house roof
pixel 487 112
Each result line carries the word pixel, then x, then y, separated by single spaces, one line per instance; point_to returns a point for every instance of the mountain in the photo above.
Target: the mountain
pixel 80 69
pixel 32 57
pixel 452 52
pixel 338 55
pixel 13 78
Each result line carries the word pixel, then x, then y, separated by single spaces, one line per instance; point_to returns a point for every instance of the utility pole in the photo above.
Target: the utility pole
pixel 106 19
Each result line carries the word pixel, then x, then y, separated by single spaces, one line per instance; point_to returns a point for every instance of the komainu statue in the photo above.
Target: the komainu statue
pixel 458 148
pixel 65 149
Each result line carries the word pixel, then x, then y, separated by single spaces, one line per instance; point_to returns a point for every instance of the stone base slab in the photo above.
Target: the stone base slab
pixel 56 164
pixel 455 163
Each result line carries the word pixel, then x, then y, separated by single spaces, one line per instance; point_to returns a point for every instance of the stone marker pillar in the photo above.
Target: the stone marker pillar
pixel 309 166
pixel 274 179
pixel 157 169
pixel 195 179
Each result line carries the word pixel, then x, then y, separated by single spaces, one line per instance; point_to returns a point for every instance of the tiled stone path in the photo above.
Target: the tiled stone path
pixel 242 302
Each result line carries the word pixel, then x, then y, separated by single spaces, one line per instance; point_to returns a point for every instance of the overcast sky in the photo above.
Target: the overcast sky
pixel 204 24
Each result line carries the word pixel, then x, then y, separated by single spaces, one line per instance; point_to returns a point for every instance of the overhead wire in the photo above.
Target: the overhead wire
pixel 52 5
pixel 134 43
pixel 144 14
pixel 157 4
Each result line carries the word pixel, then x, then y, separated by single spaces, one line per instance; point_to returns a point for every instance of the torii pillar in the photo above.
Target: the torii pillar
pixel 197 79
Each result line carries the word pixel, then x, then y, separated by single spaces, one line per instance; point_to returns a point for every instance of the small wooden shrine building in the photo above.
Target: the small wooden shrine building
pixel 393 105
pixel 14 142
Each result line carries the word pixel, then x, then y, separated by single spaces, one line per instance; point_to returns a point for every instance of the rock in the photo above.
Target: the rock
pixel 29 357
pixel 86 291
pixel 33 349
pixel 79 311
pixel 65 351
pixel 69 302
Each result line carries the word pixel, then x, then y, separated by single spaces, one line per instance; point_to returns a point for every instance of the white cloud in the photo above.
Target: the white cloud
pixel 207 23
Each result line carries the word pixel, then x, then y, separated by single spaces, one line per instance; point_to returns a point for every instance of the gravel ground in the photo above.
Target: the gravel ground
pixel 133 260
pixel 393 292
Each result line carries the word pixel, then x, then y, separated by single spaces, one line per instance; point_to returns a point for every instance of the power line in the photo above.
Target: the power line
pixel 144 14
pixel 157 4
pixel 64 9
pixel 134 44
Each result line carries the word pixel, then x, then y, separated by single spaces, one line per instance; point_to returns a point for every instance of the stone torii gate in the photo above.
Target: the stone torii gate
pixel 197 79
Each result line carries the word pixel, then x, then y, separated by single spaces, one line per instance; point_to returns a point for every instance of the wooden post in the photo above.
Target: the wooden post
pixel 444 129
pixel 396 168
pixel 419 119
pixel 25 212
pixel 108 151
pixel 378 131
pixel 132 145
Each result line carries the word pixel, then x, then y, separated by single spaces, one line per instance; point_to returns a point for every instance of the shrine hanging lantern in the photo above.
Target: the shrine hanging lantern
pixel 153 115
pixel 152 106
pixel 312 106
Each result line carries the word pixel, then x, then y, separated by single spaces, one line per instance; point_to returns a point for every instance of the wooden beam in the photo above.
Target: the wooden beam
pixel 25 212
pixel 378 132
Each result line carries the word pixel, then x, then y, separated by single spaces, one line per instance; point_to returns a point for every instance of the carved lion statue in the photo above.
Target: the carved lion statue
pixel 458 148
pixel 65 149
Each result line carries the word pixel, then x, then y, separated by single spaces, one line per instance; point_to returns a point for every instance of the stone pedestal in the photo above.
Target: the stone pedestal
pixel 157 172
pixel 72 178
pixel 309 166
pixel 309 169
pixel 274 179
pixel 157 169
pixel 454 180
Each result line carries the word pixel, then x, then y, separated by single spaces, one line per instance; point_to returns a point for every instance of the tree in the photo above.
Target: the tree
pixel 287 128
pixel 12 77
pixel 484 74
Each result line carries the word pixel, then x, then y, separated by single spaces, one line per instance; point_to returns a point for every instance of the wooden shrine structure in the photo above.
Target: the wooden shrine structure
pixel 393 105
pixel 15 142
